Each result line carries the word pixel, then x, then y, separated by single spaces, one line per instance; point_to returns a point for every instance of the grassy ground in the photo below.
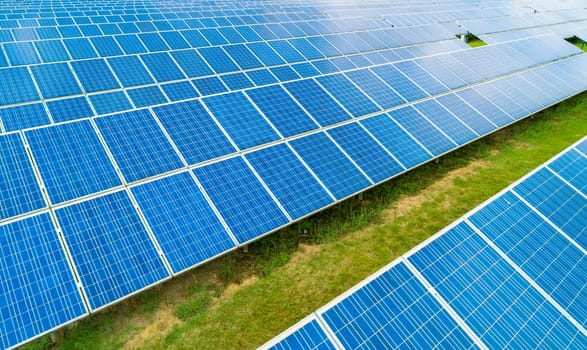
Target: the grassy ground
pixel 244 299
pixel 476 43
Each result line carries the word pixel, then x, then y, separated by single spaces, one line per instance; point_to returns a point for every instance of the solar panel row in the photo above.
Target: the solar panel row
pixel 511 273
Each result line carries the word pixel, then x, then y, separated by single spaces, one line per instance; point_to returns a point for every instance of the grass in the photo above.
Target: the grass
pixel 476 43
pixel 243 299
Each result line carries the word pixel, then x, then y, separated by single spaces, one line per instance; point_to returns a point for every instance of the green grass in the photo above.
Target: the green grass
pixel 283 281
pixel 476 43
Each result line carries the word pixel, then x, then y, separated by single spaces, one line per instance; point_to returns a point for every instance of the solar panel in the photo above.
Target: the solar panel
pixel 504 275
pixel 307 104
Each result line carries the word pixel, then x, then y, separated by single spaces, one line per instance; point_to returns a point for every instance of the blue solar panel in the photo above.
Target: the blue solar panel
pixel 194 132
pixel 24 116
pixel 80 48
pixel 502 101
pixel 69 109
pixel 293 185
pixel 218 60
pixel 243 56
pixel 191 63
pixel 559 202
pixel 130 71
pixel 400 83
pixel 369 155
pixel 468 115
pixel 420 128
pixel 183 223
pixel 317 102
pixel 37 286
pixel 125 136
pixel 52 51
pixel 310 336
pixel 94 75
pixel 572 167
pixel 110 102
pixel 445 76
pixel 71 161
pixel 182 90
pixel 20 189
pixel 404 148
pixel 348 95
pixel 21 53
pixel 331 166
pixel 393 311
pixel 485 284
pixel 493 113
pixel 17 86
pixel 146 96
pixel 240 198
pixel 162 67
pixel 241 120
pixel 373 86
pixel 421 77
pixel 446 121
pixel 281 109
pixel 96 60
pixel 112 251
pixel 55 80
pixel 210 86
pixel 544 254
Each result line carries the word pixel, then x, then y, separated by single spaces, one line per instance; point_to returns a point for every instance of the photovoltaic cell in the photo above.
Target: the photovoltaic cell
pixel 37 287
pixel 310 336
pixel 545 255
pixel 446 121
pixel 110 102
pixel 24 116
pixel 111 249
pixel 572 167
pixel 245 205
pixel 55 80
pixel 317 102
pixel 380 92
pixel 69 109
pixel 400 313
pixel 348 95
pixel 400 83
pixel 293 185
pixel 94 75
pixel 71 160
pixel 20 189
pixel 421 129
pixel 468 115
pixel 17 86
pixel 162 67
pixel 130 71
pixel 182 221
pixel 485 284
pixel 366 152
pixel 193 131
pixel 281 109
pixel 241 120
pixel 404 148
pixel 559 202
pixel 125 136
pixel 333 168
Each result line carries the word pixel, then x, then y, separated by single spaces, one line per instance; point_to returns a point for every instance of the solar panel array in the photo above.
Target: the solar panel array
pixel 509 274
pixel 139 140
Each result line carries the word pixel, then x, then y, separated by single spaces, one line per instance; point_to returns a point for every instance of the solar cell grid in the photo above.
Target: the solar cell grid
pixel 121 258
